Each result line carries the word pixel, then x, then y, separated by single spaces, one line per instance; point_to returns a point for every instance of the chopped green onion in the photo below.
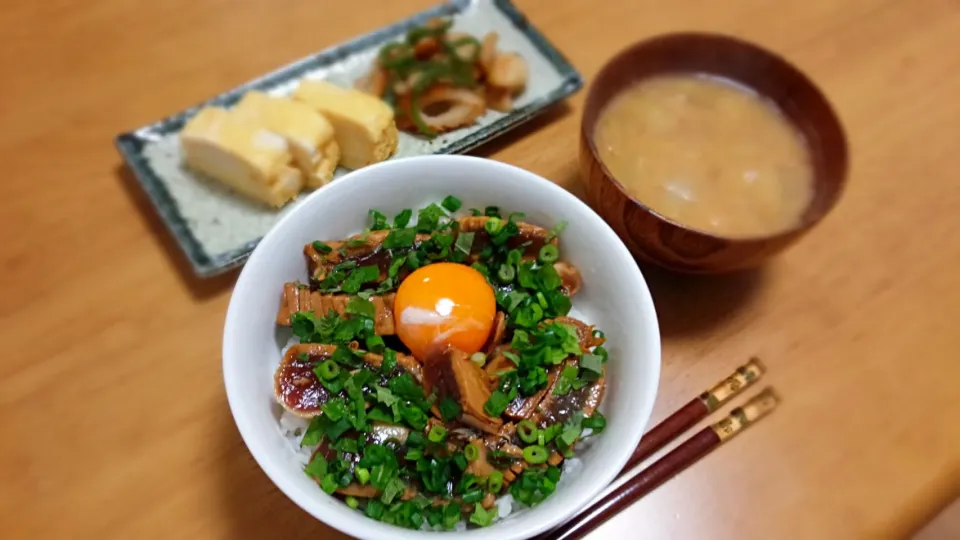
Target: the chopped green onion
pixel 513 300
pixel 437 434
pixel 478 358
pixel 352 502
pixel 527 276
pixel 565 381
pixel 374 509
pixel 596 422
pixel 329 484
pixel 359 306
pixel 493 225
pixel 386 397
pixel 451 203
pixel 313 433
pixel 534 379
pixel 482 517
pixel 413 454
pixel 495 482
pixel 549 254
pixel 389 361
pixel 379 221
pixel 402 219
pixel 400 238
pixel 465 242
pixel 317 468
pixel 374 343
pixel 473 496
pixel 320 247
pixel 506 273
pixel 496 403
pixel 471 452
pixel 467 483
pixel 535 455
pixel 592 362
pixel 451 515
pixel 553 473
pixel 428 218
pixel 527 431
pixel 449 409
pixel 416 439
pixel 336 429
pixel 550 432
pixel 514 256
pixel 362 474
pixel 358 277
pixel 549 278
pixel 393 488
pixel 556 230
pixel 572 429
pixel 482 268
pixel 328 370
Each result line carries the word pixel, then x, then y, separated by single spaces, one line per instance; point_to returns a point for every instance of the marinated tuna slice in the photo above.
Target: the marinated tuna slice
pixel 569 276
pixel 523 407
pixel 368 491
pixel 498 363
pixel 451 374
pixel 368 250
pixel 296 385
pixel 297 297
pixel 496 335
pixel 364 250
pixel 530 238
pixel 554 408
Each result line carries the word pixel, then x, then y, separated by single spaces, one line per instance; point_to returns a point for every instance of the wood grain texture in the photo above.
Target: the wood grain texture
pixel 658 239
pixel 113 418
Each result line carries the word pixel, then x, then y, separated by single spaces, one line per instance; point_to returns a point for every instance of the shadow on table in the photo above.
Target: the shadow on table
pixel 254 508
pixel 692 304
pixel 200 288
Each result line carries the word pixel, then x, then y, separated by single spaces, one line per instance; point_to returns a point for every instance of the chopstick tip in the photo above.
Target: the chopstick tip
pixel 757 365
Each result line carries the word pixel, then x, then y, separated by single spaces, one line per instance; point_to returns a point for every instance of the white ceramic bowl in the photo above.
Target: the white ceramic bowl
pixel 614 297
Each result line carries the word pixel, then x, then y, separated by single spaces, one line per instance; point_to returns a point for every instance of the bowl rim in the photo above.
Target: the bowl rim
pixel 364 527
pixel 624 54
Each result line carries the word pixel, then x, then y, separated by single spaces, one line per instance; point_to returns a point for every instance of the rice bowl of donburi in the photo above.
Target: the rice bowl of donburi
pixel 441 344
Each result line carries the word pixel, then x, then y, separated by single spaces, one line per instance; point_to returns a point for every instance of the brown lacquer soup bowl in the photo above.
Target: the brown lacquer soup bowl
pixel 655 238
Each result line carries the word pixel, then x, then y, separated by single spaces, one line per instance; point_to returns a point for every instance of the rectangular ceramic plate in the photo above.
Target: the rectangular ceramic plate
pixel 217 229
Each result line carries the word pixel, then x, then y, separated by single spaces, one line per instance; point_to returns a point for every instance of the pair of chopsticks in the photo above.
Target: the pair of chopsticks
pixel 683 456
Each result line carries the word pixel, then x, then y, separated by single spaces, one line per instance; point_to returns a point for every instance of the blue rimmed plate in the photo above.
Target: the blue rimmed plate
pixel 218 229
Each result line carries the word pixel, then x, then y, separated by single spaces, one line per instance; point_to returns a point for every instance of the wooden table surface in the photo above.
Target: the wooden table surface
pixel 114 422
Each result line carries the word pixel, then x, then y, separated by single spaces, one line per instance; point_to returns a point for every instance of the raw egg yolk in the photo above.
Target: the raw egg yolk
pixel 444 304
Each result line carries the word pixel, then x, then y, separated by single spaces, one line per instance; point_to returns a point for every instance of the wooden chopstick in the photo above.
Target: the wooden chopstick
pixel 696 410
pixel 666 467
